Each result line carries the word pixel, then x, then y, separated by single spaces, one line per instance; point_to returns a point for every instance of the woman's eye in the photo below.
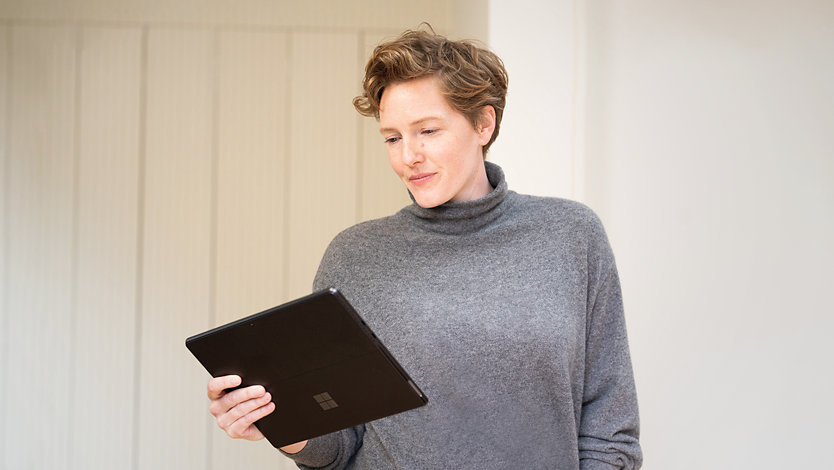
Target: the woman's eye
pixel 391 140
pixel 429 131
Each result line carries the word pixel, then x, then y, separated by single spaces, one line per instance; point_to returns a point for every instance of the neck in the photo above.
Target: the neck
pixel 479 188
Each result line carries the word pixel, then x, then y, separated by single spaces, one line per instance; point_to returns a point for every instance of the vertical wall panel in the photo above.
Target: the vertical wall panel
pixel 382 191
pixel 40 204
pixel 4 185
pixel 177 226
pixel 107 232
pixel 324 129
pixel 252 143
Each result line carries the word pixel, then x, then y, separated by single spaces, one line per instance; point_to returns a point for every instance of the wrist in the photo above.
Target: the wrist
pixel 294 448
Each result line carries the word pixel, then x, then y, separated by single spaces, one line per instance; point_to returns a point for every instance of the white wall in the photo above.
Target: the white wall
pixel 707 146
pixel 536 146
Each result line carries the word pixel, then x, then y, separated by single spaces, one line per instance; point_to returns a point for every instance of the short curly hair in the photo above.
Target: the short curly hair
pixel 470 76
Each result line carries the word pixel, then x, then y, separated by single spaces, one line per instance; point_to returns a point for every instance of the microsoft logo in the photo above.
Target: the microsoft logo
pixel 325 401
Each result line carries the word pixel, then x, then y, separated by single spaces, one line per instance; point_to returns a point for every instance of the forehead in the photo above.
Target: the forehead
pixel 413 99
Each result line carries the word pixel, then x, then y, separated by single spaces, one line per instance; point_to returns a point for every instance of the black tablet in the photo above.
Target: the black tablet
pixel 325 368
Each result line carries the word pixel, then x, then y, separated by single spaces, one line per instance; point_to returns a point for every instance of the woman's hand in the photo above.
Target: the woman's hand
pixel 236 411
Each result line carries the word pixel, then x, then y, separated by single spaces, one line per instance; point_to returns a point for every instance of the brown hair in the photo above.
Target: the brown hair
pixel 470 76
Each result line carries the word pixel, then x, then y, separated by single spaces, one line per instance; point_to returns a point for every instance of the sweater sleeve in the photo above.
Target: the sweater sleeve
pixel 609 426
pixel 329 452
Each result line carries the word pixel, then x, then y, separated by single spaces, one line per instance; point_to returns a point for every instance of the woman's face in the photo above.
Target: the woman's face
pixel 432 147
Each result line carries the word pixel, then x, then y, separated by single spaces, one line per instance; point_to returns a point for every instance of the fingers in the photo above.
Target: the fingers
pixel 218 385
pixel 244 427
pixel 237 410
pixel 229 400
pixel 240 410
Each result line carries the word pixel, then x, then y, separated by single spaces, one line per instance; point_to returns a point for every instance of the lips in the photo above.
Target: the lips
pixel 421 178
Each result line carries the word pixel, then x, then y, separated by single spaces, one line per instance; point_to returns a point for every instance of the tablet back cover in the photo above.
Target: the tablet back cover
pixel 324 367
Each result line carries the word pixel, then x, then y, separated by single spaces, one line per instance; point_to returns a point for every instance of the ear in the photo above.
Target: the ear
pixel 486 124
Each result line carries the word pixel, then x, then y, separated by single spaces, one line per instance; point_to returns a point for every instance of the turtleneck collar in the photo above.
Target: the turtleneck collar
pixel 465 216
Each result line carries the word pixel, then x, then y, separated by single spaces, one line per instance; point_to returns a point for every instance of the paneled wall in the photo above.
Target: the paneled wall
pixel 167 167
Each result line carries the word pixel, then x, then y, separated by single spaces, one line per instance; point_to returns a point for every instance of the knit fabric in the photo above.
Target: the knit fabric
pixel 507 312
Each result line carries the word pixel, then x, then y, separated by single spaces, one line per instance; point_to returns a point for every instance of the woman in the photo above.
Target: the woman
pixel 505 308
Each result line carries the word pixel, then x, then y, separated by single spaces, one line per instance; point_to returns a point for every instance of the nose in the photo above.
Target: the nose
pixel 412 152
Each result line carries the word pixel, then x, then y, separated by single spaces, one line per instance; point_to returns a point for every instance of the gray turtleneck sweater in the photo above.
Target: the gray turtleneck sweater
pixel 507 312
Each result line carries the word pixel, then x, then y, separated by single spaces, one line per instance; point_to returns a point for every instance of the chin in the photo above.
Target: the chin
pixel 427 202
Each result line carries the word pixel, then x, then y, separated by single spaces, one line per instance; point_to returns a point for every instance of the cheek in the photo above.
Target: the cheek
pixel 394 161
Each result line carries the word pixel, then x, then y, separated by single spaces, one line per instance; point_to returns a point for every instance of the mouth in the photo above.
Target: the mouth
pixel 421 178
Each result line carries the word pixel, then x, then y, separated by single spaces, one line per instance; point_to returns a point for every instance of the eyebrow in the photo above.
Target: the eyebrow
pixel 415 123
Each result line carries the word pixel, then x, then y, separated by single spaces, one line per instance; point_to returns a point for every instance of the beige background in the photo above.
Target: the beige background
pixel 166 167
